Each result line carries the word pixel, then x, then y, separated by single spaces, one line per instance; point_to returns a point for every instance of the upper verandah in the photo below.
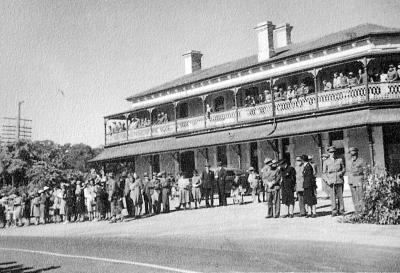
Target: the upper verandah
pixel 291 51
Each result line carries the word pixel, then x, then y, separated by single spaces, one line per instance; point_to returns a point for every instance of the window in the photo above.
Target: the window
pixel 219 104
pixel 221 155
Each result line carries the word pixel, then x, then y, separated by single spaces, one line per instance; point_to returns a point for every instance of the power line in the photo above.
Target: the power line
pixel 16 128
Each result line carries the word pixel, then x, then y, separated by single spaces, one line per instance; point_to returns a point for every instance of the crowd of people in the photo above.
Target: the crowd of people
pixel 135 123
pixel 116 127
pixel 341 80
pixel 104 197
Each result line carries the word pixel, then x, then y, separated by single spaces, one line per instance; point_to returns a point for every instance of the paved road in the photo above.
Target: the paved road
pixel 224 239
pixel 198 255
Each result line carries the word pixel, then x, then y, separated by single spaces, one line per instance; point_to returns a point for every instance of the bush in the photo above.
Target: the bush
pixel 381 200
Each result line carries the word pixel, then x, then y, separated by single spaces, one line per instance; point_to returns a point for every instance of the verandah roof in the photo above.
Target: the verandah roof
pixel 306 125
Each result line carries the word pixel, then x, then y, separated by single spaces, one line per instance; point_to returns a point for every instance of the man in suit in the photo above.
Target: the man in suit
pixel 356 176
pixel 112 190
pixel 334 171
pixel 220 176
pixel 148 188
pixel 207 178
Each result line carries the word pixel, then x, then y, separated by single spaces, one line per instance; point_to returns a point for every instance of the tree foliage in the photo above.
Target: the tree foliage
pixel 381 200
pixel 32 165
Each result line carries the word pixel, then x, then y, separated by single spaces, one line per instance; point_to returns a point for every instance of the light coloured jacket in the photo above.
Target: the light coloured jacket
pixel 334 171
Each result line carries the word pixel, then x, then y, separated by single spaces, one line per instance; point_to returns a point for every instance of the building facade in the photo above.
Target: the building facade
pixel 282 102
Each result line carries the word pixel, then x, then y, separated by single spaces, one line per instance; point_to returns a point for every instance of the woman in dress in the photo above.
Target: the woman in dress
pixel 196 192
pixel 61 196
pixel 80 202
pixel 288 174
pixel 135 194
pixel 309 185
pixel 183 186
pixel 35 207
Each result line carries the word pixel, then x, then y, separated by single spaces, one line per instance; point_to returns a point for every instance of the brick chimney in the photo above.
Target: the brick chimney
pixel 192 61
pixel 265 33
pixel 282 35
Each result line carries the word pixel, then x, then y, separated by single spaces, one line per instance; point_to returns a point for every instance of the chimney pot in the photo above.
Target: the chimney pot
pixel 282 35
pixel 192 61
pixel 265 32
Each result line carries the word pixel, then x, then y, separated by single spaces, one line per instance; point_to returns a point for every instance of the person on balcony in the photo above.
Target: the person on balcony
pixel 362 76
pixel 383 77
pixel 208 111
pixel 282 93
pixel 398 71
pixel 327 85
pixel 392 75
pixel 352 80
pixel 334 171
pixel 376 76
pixel 249 101
pixel 275 92
pixel 290 93
pixel 336 81
pixel 344 81
pixel 260 98
pixel 300 90
pixel 268 97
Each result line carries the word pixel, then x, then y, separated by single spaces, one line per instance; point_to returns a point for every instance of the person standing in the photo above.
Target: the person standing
pixel 61 195
pixel 136 188
pixel 273 179
pixel 299 185
pixel 334 171
pixel 253 181
pixel 309 185
pixel 36 207
pixel 148 189
pixel 325 186
pixel 220 176
pixel 288 174
pixel 264 174
pixel 183 186
pixel 80 202
pixel 207 178
pixel 196 192
pixel 42 206
pixel 165 192
pixel 356 176
pixel 112 190
pixel 17 209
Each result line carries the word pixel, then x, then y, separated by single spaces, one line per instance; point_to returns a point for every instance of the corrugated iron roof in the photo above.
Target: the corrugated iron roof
pixel 346 35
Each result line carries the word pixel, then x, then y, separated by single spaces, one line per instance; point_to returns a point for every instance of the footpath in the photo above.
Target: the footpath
pixel 236 222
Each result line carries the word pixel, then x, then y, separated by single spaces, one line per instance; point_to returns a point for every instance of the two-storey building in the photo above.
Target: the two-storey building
pixel 282 102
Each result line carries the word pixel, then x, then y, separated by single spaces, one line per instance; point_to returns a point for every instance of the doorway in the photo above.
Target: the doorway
pixel 254 156
pixel 187 163
pixel 391 142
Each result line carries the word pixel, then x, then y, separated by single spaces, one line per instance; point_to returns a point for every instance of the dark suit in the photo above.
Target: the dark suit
pixel 208 186
pixel 221 176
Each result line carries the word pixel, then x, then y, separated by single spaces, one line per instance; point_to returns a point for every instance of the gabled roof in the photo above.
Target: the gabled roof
pixel 346 35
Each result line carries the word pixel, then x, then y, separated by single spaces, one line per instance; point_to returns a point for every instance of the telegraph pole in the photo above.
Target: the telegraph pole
pixel 19 119
pixel 16 128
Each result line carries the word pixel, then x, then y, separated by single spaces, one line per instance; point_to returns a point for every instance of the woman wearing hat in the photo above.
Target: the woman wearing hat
pixel 136 188
pixel 288 175
pixel 253 181
pixel 309 185
pixel 35 207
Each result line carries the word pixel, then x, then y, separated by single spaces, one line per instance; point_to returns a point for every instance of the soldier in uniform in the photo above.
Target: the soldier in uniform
pixel 207 178
pixel 148 188
pixel 334 171
pixel 220 176
pixel 273 179
pixel 325 186
pixel 264 174
pixel 356 175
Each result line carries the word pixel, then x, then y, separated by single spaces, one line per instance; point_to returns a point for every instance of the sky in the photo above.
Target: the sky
pixel 73 62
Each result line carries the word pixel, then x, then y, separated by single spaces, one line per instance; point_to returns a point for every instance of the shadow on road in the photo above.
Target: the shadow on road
pixel 15 267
